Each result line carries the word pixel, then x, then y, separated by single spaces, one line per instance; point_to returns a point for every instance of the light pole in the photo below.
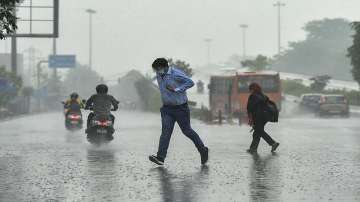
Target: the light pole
pixel 279 5
pixel 91 12
pixel 208 44
pixel 244 27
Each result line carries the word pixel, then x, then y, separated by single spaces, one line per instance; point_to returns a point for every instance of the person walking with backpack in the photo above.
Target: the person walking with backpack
pixel 257 109
pixel 173 84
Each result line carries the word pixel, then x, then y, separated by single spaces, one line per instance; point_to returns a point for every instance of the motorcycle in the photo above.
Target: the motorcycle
pixel 101 129
pixel 73 119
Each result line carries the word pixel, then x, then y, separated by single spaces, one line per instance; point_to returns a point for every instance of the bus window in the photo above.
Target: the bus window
pixel 268 84
pixel 220 86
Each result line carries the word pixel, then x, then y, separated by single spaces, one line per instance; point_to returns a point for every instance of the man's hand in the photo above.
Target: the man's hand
pixel 251 122
pixel 170 88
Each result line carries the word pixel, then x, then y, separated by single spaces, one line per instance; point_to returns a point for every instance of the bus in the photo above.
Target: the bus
pixel 228 93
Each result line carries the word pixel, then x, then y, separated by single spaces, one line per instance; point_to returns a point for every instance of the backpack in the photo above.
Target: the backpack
pixel 271 110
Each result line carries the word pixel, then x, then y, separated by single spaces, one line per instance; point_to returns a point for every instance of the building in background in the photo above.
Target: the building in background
pixel 5 60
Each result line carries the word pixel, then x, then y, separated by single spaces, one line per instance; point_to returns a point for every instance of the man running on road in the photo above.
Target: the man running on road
pixel 173 84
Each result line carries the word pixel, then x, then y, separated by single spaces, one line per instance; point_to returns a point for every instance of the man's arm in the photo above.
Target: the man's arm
pixel 115 103
pixel 251 109
pixel 66 104
pixel 185 82
pixel 89 102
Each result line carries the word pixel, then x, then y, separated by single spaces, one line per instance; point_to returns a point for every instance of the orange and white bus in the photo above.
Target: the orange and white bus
pixel 228 94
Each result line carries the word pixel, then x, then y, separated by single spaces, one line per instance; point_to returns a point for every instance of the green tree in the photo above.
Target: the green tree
pixel 258 64
pixel 319 82
pixel 7 17
pixel 322 52
pixel 82 80
pixel 354 52
pixel 234 61
pixel 182 65
pixel 150 96
pixel 14 84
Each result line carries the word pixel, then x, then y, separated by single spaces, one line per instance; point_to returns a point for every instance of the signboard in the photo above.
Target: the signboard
pixel 3 84
pixel 31 24
pixel 6 86
pixel 62 61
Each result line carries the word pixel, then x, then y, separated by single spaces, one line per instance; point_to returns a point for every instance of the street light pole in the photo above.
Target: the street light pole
pixel 208 43
pixel 244 27
pixel 279 5
pixel 90 12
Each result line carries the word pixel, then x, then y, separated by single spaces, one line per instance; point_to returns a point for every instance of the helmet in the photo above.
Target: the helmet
pixel 74 96
pixel 101 89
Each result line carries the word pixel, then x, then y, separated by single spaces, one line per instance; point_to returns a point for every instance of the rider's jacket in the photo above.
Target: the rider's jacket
pixel 101 104
pixel 73 105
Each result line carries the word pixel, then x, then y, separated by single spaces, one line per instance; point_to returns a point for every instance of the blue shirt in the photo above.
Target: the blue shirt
pixel 177 80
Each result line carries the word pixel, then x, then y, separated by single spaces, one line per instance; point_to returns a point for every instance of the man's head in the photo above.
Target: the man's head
pixel 160 66
pixel 74 96
pixel 101 89
pixel 255 88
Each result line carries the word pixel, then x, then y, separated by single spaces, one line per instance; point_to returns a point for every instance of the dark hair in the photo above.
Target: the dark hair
pixel 74 95
pixel 101 89
pixel 256 87
pixel 160 62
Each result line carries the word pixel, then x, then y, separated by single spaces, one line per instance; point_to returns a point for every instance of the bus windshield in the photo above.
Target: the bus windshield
pixel 268 83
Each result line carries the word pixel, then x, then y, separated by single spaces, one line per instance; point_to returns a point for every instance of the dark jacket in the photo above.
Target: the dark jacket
pixel 101 103
pixel 256 107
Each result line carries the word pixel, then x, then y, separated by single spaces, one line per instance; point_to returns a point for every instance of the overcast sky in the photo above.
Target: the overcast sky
pixel 131 33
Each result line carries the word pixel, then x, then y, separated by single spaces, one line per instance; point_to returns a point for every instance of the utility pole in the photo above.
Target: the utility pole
pixel 244 27
pixel 32 56
pixel 90 12
pixel 54 53
pixel 14 55
pixel 5 46
pixel 279 5
pixel 38 82
pixel 208 44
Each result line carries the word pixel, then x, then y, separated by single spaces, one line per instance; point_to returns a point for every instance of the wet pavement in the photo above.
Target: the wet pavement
pixel 318 160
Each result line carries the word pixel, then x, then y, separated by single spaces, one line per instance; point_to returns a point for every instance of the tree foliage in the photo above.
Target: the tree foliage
pixel 7 17
pixel 150 96
pixel 27 91
pixel 13 85
pixel 322 52
pixel 234 61
pixel 354 52
pixel 258 64
pixel 82 80
pixel 180 64
pixel 319 82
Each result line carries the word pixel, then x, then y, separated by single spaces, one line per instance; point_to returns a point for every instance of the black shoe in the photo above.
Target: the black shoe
pixel 250 151
pixel 157 160
pixel 274 146
pixel 204 155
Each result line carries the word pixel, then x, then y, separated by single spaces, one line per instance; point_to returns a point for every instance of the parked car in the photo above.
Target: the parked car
pixel 334 105
pixel 310 101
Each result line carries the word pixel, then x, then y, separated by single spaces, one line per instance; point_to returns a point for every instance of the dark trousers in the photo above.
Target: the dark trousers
pixel 181 115
pixel 259 132
pixel 92 115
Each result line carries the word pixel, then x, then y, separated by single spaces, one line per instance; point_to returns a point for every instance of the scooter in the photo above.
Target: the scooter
pixel 73 119
pixel 101 129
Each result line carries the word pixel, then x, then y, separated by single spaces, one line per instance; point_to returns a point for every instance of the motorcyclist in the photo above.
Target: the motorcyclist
pixel 74 104
pixel 101 103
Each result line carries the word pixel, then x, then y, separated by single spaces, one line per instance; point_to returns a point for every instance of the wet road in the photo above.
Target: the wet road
pixel 318 160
